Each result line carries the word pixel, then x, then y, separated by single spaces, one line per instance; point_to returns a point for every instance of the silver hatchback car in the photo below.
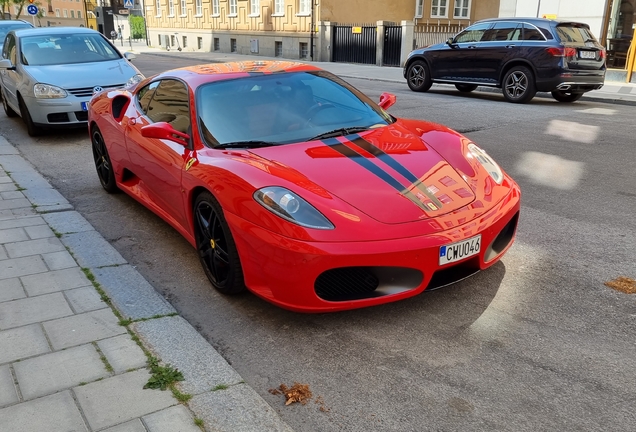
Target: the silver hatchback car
pixel 48 75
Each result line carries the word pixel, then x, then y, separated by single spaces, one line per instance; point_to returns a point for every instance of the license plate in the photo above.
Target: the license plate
pixel 460 250
pixel 587 54
pixel 84 106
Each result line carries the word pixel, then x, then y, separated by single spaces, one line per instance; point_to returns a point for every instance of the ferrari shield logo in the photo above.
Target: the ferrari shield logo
pixel 189 164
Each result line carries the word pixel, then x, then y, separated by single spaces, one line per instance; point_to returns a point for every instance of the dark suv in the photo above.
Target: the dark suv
pixel 519 55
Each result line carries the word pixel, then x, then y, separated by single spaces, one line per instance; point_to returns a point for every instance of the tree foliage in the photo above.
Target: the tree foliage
pixel 137 27
pixel 7 8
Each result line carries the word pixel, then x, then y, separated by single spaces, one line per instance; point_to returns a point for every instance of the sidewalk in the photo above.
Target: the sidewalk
pixel 612 91
pixel 78 325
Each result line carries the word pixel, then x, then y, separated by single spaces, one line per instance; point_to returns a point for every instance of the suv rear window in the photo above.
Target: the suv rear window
pixel 574 33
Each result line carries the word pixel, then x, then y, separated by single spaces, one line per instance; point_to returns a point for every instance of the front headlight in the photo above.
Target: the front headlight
pixel 487 162
pixel 286 204
pixel 46 91
pixel 133 80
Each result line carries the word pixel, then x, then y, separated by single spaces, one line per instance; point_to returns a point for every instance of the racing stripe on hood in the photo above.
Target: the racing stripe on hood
pixel 390 161
pixel 374 169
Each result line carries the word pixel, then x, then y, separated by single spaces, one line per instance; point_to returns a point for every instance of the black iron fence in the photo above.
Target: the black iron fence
pixel 354 43
pixel 392 45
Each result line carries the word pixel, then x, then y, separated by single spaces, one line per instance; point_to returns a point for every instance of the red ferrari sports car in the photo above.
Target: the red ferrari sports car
pixel 292 183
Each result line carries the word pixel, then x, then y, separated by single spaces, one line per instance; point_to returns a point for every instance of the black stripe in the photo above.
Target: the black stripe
pixel 390 161
pixel 374 169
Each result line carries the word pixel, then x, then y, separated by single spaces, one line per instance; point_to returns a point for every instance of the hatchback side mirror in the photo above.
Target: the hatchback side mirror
pixel 6 64
pixel 129 56
pixel 163 130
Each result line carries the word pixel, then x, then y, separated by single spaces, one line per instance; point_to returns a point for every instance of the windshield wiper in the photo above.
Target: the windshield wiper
pixel 245 144
pixel 339 132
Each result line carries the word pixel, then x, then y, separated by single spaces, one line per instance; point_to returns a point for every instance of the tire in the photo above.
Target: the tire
pixel 32 129
pixel 418 76
pixel 215 246
pixel 7 109
pixel 562 96
pixel 518 85
pixel 465 88
pixel 103 166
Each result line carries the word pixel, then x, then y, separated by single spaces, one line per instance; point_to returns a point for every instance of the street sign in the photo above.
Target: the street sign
pixel 128 4
pixel 32 9
pixel 123 12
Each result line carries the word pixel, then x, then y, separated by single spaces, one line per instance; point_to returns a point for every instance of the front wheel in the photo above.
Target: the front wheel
pixel 562 96
pixel 215 246
pixel 418 76
pixel 518 85
pixel 465 88
pixel 104 167
pixel 32 129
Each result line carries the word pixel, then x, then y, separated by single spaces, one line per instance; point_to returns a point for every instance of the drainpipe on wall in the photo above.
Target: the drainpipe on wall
pixel 311 32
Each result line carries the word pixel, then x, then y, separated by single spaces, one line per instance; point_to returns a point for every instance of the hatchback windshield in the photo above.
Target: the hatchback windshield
pixel 283 108
pixel 66 49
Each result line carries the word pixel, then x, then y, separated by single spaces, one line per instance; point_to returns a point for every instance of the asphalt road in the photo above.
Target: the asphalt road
pixel 536 343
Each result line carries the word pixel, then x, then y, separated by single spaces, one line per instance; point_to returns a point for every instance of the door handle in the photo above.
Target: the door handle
pixel 132 121
pixel 472 46
pixel 510 46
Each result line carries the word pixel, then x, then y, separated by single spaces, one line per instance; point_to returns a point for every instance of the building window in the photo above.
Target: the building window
pixel 170 7
pixel 217 44
pixel 303 50
pixel 57 13
pixel 304 7
pixel 232 45
pixel 72 13
pixel 278 49
pixel 65 13
pixel 182 8
pixel 279 7
pixel 199 8
pixel 233 8
pixel 79 14
pixel 199 43
pixel 254 8
pixel 184 42
pixel 419 8
pixel 462 9
pixel 158 6
pixel 216 8
pixel 438 9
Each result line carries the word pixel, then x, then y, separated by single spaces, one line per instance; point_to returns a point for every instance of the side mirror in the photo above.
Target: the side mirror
pixel 6 64
pixel 129 56
pixel 387 100
pixel 451 42
pixel 163 130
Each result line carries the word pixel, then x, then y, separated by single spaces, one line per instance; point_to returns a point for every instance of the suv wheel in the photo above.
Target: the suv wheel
pixel 518 85
pixel 562 96
pixel 418 76
pixel 465 88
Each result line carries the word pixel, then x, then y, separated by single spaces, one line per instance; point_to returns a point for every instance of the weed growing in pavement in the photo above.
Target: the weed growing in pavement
pixel 162 376
pixel 181 397
pixel 199 422
pixel 103 358
pixel 220 387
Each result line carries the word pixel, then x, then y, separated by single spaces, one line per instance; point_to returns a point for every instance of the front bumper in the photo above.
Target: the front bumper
pixel 293 274
pixel 58 112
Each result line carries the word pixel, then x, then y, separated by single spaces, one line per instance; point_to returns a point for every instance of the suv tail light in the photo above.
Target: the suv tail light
pixel 561 51
pixel 602 54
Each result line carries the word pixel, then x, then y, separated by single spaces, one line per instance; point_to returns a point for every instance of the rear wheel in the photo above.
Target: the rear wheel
pixel 7 109
pixel 418 76
pixel 518 85
pixel 216 247
pixel 562 96
pixel 32 129
pixel 465 88
pixel 104 167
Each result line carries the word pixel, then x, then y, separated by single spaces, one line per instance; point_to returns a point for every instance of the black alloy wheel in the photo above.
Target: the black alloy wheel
pixel 562 96
pixel 7 109
pixel 518 85
pixel 103 166
pixel 215 246
pixel 465 88
pixel 32 129
pixel 418 76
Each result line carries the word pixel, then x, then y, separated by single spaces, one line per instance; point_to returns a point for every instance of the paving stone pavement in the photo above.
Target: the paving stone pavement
pixel 66 362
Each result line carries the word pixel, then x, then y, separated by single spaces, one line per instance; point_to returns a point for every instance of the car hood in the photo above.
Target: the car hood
pixel 388 173
pixel 79 75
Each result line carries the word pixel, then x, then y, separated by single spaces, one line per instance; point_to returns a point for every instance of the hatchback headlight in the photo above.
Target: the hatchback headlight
pixel 487 162
pixel 46 91
pixel 286 204
pixel 133 80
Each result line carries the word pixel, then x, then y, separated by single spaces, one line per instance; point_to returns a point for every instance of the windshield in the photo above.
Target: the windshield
pixel 282 108
pixel 4 29
pixel 66 49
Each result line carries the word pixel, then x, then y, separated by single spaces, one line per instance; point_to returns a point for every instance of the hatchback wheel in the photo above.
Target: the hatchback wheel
pixel 32 129
pixel 562 96
pixel 418 76
pixel 7 109
pixel 465 88
pixel 518 85
pixel 103 166
pixel 216 247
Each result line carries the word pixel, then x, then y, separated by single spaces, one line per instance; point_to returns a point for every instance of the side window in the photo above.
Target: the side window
pixel 473 33
pixel 145 94
pixel 503 31
pixel 9 49
pixel 531 33
pixel 171 104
